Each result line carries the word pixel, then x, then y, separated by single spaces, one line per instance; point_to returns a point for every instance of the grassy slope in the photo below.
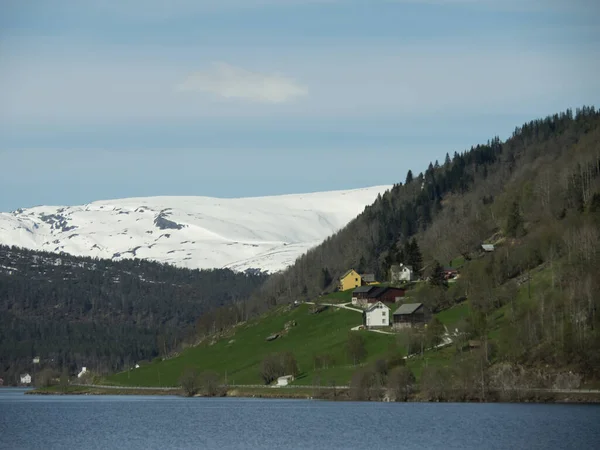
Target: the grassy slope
pixel 326 332
pixel 322 333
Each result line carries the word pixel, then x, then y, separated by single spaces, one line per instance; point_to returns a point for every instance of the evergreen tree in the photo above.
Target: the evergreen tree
pixel 409 177
pixel 514 223
pixel 437 275
pixel 414 258
pixel 325 278
pixel 448 161
pixel 362 265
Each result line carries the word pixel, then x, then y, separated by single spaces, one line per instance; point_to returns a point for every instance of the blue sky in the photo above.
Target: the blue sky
pixel 258 97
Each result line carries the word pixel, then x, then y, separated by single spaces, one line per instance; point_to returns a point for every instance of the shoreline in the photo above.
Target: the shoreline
pixel 583 397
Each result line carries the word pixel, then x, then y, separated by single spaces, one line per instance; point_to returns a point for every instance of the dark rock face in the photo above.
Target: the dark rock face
pixel 58 222
pixel 162 223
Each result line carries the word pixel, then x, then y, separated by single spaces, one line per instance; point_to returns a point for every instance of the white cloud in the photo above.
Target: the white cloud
pixel 228 81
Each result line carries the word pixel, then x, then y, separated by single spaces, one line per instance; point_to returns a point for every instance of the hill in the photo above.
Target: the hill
pixel 239 352
pixel 265 233
pixel 72 311
pixel 532 301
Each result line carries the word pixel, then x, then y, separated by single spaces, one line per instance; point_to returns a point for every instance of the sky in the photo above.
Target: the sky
pixel 235 98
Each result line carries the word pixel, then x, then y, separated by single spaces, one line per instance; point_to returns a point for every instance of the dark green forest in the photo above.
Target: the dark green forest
pixel 74 311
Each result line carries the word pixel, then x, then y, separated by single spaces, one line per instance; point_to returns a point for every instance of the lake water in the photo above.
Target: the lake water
pixel 140 422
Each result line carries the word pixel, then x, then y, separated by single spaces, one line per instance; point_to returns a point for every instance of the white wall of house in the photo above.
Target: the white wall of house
pixel 284 381
pixel 377 315
pixel 26 379
pixel 402 273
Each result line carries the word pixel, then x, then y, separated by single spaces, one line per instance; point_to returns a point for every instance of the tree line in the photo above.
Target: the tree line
pixel 73 311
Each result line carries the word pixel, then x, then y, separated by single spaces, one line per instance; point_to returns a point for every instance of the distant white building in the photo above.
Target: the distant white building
pixel 36 360
pixel 378 315
pixel 82 373
pixel 487 247
pixel 400 273
pixel 284 381
pixel 25 378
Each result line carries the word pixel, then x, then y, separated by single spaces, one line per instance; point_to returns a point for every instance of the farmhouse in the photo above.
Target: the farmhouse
pixel 400 273
pixel 378 315
pixel 386 295
pixel 350 280
pixel 368 295
pixel 25 378
pixel 410 315
pixel 360 294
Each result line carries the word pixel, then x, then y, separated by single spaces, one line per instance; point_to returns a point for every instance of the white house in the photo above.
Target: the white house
pixel 25 378
pixel 82 373
pixel 284 381
pixel 378 315
pixel 400 272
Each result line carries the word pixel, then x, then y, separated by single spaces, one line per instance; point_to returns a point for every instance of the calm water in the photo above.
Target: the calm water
pixel 98 422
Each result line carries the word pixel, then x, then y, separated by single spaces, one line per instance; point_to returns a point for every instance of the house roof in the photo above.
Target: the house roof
pixel 363 289
pixel 368 277
pixel 400 267
pixel 378 292
pixel 347 273
pixel 375 306
pixel 382 290
pixel 407 308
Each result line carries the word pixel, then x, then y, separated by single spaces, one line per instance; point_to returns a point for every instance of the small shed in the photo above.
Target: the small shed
pixel 368 278
pixel 410 315
pixel 285 380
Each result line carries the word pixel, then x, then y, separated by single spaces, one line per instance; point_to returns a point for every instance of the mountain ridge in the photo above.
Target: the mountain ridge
pixel 198 232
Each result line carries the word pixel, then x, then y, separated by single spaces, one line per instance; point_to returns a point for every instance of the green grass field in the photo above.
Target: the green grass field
pixel 452 316
pixel 239 356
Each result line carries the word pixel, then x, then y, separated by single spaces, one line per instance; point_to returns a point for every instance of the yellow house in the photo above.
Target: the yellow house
pixel 350 280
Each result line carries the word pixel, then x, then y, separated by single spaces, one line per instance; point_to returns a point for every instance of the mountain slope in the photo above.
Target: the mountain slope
pixel 548 167
pixel 266 233
pixel 79 311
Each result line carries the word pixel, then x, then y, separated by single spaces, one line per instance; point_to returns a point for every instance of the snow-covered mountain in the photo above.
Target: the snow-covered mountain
pixel 266 233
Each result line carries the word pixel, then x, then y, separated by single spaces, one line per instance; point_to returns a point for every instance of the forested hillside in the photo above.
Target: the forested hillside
pixel 81 311
pixel 536 196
